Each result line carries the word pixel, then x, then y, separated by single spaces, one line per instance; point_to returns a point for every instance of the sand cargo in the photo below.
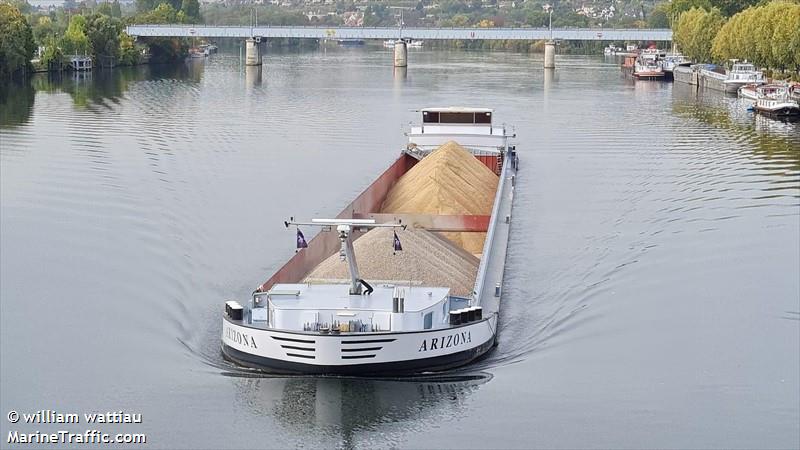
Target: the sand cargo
pixel 407 278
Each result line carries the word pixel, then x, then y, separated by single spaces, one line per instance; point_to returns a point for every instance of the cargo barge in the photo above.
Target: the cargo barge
pixel 730 81
pixel 395 284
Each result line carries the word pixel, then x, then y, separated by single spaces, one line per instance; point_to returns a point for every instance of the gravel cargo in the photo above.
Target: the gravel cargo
pixel 448 181
pixel 426 259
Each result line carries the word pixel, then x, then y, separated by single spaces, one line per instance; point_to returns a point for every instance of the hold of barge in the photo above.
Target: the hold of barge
pixel 360 326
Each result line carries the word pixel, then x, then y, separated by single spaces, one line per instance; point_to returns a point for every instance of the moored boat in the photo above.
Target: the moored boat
pixel 613 50
pixel 399 322
pixel 755 91
pixel 628 64
pixel 777 103
pixel 795 92
pixel 670 62
pixel 730 81
pixel 648 66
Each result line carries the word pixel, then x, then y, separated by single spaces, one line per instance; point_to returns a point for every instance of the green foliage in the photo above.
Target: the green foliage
pixel 103 33
pixel 731 7
pixel 16 42
pixel 191 9
pixel 767 35
pixel 677 7
pixel 145 6
pixel 75 40
pixel 52 56
pixel 660 16
pixel 44 28
pixel 163 13
pixel 116 11
pixel 274 15
pixel 104 8
pixel 695 31
pixel 163 49
pixel 128 52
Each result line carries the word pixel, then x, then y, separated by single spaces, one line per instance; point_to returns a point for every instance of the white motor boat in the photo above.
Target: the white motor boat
pixel 648 66
pixel 777 103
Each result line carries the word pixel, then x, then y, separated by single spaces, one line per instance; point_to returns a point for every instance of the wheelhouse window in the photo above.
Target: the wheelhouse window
pixel 484 117
pixel 430 117
pixel 428 321
pixel 456 117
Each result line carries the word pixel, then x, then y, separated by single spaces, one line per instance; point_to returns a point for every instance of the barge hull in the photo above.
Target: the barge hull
pixel 289 352
pixel 408 367
pixel 385 353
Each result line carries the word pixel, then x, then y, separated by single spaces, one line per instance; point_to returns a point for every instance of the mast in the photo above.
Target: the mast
pixel 345 228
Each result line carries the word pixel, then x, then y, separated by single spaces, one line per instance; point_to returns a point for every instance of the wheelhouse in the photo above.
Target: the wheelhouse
pixel 457 116
pixel 470 127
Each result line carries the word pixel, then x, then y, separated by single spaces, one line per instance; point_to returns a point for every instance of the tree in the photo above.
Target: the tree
pixel 16 42
pixel 678 7
pixel 75 40
pixel 43 28
pixel 191 8
pixel 163 49
pixel 128 53
pixel 116 11
pixel 660 16
pixel 766 35
pixel 104 8
pixel 695 31
pixel 781 42
pixel 731 7
pixel 103 34
pixel 52 56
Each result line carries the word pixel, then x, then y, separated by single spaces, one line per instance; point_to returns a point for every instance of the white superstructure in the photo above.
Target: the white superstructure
pixel 471 127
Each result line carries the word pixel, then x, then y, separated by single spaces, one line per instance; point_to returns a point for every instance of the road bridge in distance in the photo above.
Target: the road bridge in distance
pixel 256 34
pixel 567 34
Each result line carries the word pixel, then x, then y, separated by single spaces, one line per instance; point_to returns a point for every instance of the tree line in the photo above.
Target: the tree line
pixel 88 28
pixel 767 35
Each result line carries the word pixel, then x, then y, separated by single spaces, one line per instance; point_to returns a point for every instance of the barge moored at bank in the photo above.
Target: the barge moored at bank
pixel 740 74
pixel 395 324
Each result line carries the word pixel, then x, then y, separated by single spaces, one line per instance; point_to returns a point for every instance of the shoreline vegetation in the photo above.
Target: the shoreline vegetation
pixel 764 32
pixel 767 35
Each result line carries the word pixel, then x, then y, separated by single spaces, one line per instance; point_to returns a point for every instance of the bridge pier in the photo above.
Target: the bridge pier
pixel 400 54
pixel 550 54
pixel 252 54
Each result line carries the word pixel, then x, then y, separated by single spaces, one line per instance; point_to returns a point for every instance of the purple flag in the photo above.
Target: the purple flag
pixel 301 240
pixel 397 246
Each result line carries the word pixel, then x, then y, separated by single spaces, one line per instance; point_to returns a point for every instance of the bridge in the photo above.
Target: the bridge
pixel 234 31
pixel 254 35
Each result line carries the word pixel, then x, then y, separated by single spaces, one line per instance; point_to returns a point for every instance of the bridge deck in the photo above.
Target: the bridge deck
pixel 570 34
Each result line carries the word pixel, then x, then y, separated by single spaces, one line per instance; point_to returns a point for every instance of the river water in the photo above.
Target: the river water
pixel 652 294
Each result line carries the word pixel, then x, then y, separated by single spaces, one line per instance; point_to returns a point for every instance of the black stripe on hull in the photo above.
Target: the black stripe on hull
pixel 409 367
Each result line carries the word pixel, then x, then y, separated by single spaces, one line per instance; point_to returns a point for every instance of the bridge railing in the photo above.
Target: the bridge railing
pixel 318 32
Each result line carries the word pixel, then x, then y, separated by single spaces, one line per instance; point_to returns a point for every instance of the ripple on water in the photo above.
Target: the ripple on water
pixel 157 199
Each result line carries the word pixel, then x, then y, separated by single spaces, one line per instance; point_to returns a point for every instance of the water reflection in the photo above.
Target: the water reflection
pixel 253 76
pixel 16 103
pixel 550 78
pixel 341 407
pixel 770 138
pixel 400 73
pixel 88 90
